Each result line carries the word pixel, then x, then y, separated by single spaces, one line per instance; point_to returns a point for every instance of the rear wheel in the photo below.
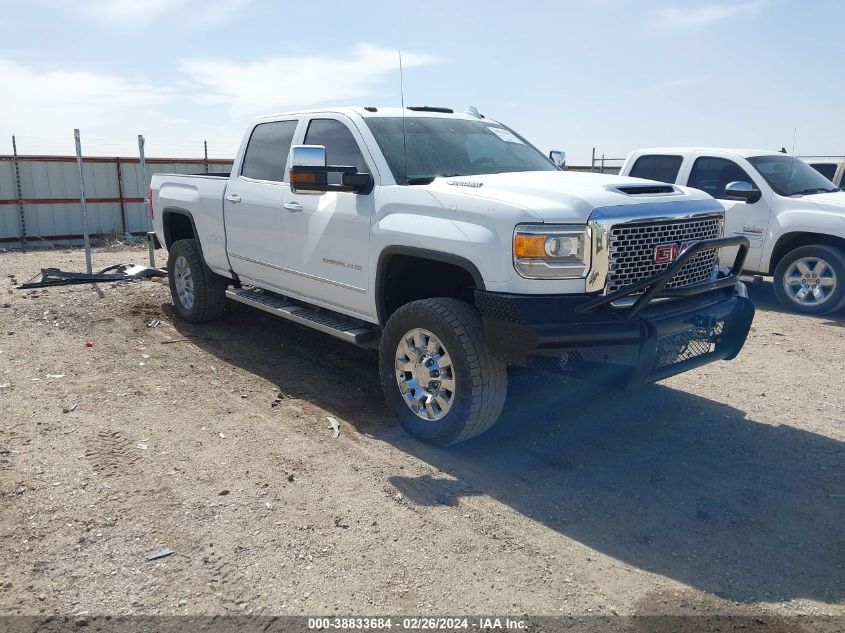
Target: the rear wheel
pixel 198 294
pixel 811 279
pixel 437 373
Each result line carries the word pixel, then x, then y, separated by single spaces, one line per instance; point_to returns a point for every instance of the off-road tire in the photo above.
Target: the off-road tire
pixel 209 289
pixel 480 377
pixel 835 258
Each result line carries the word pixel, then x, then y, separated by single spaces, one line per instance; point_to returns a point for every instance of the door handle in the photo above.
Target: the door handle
pixel 293 207
pixel 233 198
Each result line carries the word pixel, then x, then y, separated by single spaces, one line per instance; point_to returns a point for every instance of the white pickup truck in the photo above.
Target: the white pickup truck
pixel 455 247
pixel 832 169
pixel 792 215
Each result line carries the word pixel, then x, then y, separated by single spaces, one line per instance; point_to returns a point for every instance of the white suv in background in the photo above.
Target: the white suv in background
pixel 793 216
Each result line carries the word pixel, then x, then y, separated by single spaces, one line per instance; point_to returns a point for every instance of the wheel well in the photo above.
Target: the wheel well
pixel 791 241
pixel 405 278
pixel 177 226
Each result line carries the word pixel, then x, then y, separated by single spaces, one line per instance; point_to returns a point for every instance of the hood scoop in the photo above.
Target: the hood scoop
pixel 644 190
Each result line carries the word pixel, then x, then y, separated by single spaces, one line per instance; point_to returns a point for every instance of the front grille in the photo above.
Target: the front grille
pixel 632 251
pixel 681 346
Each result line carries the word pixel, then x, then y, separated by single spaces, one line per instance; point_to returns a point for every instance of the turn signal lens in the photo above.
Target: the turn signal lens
pixel 300 178
pixel 529 245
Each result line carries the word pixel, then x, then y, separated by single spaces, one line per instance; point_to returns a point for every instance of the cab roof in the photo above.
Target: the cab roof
pixel 378 111
pixel 682 151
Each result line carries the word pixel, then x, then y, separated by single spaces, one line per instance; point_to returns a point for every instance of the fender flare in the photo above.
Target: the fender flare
pixel 169 211
pixel 420 253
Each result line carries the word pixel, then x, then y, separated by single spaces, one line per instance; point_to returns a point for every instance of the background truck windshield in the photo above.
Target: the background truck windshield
pixel 453 147
pixel 790 176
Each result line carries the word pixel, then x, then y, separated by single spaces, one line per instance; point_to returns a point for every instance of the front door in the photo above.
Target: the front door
pixel 253 206
pixel 327 234
pixel 712 174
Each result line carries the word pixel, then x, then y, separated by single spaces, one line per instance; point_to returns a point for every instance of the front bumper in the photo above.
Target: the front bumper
pixel 639 334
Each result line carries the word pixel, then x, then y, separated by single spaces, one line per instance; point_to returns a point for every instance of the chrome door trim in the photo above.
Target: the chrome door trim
pixel 299 273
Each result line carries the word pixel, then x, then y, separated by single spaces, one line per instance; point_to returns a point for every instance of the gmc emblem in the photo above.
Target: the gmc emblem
pixel 667 253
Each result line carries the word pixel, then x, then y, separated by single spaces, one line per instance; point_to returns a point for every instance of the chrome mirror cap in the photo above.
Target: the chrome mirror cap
pixel 308 156
pixel 741 190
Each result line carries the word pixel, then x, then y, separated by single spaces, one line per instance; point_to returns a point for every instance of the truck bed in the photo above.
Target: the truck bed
pixel 201 196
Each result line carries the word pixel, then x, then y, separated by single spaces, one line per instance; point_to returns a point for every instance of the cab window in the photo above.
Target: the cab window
pixel 657 167
pixel 267 151
pixel 712 175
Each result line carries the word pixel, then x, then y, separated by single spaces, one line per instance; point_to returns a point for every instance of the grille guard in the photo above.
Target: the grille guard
pixel 655 286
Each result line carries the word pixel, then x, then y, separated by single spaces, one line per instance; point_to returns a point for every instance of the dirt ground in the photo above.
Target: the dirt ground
pixel 718 491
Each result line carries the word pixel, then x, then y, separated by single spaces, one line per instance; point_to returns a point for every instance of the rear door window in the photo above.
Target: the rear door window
pixel 712 175
pixel 828 170
pixel 267 151
pixel 662 168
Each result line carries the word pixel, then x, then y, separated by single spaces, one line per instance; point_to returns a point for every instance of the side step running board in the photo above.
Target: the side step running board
pixel 344 328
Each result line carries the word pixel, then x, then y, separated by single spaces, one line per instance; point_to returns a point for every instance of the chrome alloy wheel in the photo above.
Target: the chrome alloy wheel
pixel 425 374
pixel 809 281
pixel 184 281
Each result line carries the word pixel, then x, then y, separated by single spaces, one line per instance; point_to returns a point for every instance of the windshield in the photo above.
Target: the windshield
pixel 452 147
pixel 790 176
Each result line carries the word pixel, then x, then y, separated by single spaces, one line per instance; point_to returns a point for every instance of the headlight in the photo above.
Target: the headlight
pixel 543 251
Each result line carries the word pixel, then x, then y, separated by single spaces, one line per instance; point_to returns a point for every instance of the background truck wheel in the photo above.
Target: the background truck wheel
pixel 437 373
pixel 811 279
pixel 198 294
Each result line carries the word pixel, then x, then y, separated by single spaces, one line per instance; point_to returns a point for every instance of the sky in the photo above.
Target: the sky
pixel 614 75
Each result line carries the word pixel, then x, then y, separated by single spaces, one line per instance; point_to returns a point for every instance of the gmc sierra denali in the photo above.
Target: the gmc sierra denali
pixel 455 247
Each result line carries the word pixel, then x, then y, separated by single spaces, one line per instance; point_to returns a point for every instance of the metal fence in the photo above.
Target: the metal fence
pixel 40 196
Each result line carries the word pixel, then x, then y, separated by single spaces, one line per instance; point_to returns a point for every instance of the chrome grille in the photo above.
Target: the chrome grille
pixel 632 251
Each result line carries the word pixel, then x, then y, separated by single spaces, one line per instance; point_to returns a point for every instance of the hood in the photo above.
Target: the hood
pixel 561 196
pixel 830 201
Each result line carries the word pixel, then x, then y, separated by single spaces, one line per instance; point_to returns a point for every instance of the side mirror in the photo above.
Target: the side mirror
pixel 309 172
pixel 558 157
pixel 740 190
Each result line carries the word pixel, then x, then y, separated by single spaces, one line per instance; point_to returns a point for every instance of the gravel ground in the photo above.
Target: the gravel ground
pixel 719 491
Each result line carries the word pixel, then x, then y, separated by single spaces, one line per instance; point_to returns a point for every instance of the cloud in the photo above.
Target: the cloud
pixel 47 105
pixel 280 83
pixel 680 19
pixel 141 13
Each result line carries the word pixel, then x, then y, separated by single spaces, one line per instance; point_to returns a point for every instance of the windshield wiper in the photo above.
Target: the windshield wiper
pixel 809 192
pixel 427 180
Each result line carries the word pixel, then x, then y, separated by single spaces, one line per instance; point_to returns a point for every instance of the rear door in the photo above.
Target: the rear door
pixel 254 215
pixel 327 234
pixel 712 174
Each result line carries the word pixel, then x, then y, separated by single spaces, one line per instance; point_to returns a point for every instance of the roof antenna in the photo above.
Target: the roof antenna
pixel 402 97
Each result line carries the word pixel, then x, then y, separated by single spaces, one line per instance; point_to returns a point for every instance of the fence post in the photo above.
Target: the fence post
pixel 593 161
pixel 602 163
pixel 205 155
pixel 82 201
pixel 145 190
pixel 19 190
pixel 120 195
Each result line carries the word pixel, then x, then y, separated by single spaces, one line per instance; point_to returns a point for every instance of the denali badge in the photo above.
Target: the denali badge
pixel 667 253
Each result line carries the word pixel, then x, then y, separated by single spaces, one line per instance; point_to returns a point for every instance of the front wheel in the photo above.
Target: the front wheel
pixel 811 279
pixel 437 373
